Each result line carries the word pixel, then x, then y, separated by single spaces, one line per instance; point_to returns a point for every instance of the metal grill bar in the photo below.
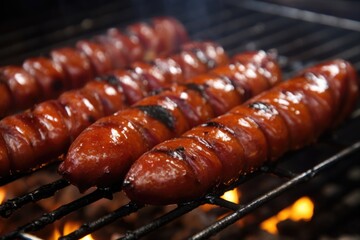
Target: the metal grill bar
pixel 316 38
pixel 14 177
pixel 228 27
pixel 223 203
pixel 45 191
pixel 303 177
pixel 53 39
pixel 194 22
pixel 182 209
pixel 329 47
pixel 248 33
pixel 284 35
pixel 48 218
pixel 295 13
pixel 93 226
pixel 280 172
pixel 47 27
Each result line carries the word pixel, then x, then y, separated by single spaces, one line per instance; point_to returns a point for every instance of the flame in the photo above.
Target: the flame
pixel 232 196
pixel 2 194
pixel 69 227
pixel 302 209
pixel 56 234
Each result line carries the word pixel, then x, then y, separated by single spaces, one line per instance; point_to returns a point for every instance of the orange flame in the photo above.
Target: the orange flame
pixel 302 209
pixel 2 194
pixel 69 227
pixel 231 195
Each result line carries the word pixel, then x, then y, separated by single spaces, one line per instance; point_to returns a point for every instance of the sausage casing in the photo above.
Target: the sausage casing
pixel 103 153
pixel 35 136
pixel 67 68
pixel 240 141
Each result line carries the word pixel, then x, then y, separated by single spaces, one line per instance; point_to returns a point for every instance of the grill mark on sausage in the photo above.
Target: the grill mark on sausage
pixel 178 153
pixel 159 113
pixel 198 88
pixel 220 126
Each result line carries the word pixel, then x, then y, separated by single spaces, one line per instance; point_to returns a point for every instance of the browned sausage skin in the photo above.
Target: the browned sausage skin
pixel 19 87
pixel 262 129
pixel 49 75
pixel 35 136
pixel 44 78
pixel 106 149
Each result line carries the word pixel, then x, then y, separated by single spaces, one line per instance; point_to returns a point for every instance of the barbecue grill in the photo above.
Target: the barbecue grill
pixel 327 171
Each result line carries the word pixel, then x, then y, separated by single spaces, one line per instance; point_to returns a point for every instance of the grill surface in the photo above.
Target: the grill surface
pixel 301 37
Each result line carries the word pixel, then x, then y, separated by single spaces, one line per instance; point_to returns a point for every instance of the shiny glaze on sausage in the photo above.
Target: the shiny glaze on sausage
pixel 33 137
pixel 287 117
pixel 67 68
pixel 103 153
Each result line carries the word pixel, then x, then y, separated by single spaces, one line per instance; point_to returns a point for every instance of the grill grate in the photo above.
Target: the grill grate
pixel 238 27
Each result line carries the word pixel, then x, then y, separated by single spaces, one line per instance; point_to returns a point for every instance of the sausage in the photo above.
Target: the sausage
pixel 99 58
pixel 20 89
pixel 76 65
pixel 68 68
pixel 215 154
pixel 104 152
pixel 35 136
pixel 49 75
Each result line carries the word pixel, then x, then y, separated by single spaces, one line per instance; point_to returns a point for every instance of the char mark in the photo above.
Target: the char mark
pixel 111 79
pixel 159 113
pixel 220 126
pixel 198 88
pixel 178 153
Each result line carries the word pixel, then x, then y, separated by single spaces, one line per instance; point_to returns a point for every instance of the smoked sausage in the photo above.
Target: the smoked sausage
pixel 287 117
pixel 104 152
pixel 35 136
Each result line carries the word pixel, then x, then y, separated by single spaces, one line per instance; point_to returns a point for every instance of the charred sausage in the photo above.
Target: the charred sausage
pixel 33 137
pixel 67 68
pixel 104 152
pixel 284 118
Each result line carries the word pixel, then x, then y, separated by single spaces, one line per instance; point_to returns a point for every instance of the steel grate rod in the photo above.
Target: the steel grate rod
pixel 336 42
pixel 280 172
pixel 223 203
pixel 16 176
pixel 48 218
pixel 246 34
pixel 233 24
pixel 284 35
pixel 168 217
pixel 303 177
pixel 88 228
pixel 303 43
pixel 48 26
pixel 294 13
pixel 195 23
pixel 45 191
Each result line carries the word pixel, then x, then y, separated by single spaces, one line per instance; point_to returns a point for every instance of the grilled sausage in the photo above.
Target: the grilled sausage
pixel 67 68
pixel 103 153
pixel 19 88
pixel 216 153
pixel 33 137
pixel 49 75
